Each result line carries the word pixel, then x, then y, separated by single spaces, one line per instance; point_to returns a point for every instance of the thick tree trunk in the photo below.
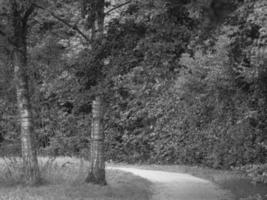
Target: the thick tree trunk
pixel 97 169
pixel 28 149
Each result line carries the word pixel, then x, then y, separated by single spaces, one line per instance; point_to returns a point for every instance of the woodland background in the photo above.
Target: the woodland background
pixel 184 82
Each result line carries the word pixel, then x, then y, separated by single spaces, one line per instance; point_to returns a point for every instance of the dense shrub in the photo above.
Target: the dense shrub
pixel 191 106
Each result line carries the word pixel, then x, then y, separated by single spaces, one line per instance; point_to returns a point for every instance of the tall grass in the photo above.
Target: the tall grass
pixel 11 171
pixel 63 179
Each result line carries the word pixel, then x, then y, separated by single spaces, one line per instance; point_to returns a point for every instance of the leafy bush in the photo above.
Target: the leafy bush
pixel 199 116
pixel 256 197
pixel 258 173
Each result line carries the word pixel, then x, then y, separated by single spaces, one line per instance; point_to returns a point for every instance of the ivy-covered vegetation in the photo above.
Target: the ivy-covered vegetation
pixel 184 82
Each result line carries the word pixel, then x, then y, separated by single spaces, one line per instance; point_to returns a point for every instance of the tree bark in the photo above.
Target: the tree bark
pixel 96 173
pixel 97 158
pixel 31 174
pixel 28 150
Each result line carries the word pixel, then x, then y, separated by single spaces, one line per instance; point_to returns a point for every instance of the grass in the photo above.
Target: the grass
pixel 235 182
pixel 63 179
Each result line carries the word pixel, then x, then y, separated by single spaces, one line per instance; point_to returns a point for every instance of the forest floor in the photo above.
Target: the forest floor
pixel 63 179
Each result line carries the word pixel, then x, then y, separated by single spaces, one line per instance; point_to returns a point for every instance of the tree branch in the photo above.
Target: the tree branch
pixel 118 6
pixel 28 12
pixel 56 34
pixel 74 27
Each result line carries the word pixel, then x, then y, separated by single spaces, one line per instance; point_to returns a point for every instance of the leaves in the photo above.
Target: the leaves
pixel 184 82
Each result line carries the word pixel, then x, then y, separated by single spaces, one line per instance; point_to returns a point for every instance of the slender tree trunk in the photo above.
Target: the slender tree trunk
pixel 28 149
pixel 97 169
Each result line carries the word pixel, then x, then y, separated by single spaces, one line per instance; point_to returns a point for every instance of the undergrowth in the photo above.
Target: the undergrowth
pixel 63 179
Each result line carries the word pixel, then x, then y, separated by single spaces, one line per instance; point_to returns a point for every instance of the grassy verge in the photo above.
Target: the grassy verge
pixel 238 184
pixel 63 179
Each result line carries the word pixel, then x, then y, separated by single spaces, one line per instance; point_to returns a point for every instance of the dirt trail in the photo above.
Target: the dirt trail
pixel 179 186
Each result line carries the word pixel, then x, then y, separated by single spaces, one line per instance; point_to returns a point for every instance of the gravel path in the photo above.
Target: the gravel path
pixel 179 186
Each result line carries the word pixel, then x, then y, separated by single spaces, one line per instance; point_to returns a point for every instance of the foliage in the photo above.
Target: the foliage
pixel 184 82
pixel 171 109
pixel 136 77
pixel 256 172
pixel 255 197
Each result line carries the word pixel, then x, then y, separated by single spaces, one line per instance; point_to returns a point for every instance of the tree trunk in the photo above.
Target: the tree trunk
pixel 31 172
pixel 97 169
pixel 28 149
pixel 97 161
pixel 96 173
